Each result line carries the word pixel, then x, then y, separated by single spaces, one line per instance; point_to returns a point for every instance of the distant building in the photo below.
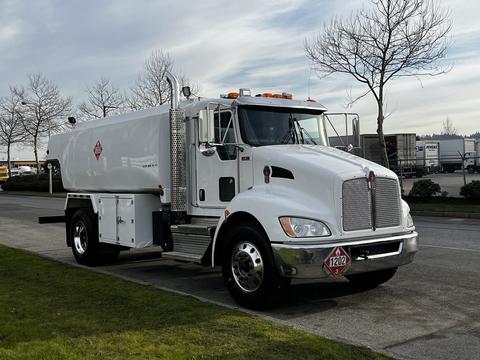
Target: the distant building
pixel 17 163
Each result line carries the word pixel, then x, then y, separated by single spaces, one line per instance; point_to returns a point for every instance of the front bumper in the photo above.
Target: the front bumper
pixel 306 261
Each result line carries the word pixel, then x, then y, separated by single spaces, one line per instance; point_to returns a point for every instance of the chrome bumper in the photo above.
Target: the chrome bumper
pixel 306 261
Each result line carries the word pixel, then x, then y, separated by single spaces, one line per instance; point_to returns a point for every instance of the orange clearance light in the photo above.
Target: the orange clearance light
pixel 311 100
pixel 278 96
pixel 269 95
pixel 287 96
pixel 232 95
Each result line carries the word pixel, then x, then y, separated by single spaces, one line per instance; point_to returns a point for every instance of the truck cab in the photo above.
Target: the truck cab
pixel 248 183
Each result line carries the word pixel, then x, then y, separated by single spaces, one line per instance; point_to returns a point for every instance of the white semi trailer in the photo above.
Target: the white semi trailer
pixel 455 153
pixel 428 156
pixel 244 182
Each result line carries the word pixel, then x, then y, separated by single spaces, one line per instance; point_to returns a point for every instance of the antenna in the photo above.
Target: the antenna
pixel 309 81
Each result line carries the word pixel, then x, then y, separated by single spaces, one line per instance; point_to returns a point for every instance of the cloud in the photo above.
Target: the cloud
pixel 224 46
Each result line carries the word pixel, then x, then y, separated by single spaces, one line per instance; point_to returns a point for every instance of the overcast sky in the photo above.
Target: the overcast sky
pixel 223 46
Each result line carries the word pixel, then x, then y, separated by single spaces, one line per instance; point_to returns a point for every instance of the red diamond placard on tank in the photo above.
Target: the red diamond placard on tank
pixel 97 150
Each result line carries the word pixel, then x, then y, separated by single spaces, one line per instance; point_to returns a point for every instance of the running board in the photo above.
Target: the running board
pixel 181 256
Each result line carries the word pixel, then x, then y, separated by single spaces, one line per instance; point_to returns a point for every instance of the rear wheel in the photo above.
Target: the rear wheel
pixel 249 270
pixel 85 245
pixel 372 279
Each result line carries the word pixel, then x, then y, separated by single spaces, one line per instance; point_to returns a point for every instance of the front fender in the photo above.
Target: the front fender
pixel 266 203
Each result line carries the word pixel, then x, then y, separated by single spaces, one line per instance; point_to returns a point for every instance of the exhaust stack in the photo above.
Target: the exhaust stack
pixel 178 188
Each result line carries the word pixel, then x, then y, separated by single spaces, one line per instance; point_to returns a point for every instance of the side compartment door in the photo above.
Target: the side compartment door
pixel 115 220
pixel 125 221
pixel 107 219
pixel 217 174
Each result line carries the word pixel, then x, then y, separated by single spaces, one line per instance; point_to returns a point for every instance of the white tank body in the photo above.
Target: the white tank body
pixel 126 153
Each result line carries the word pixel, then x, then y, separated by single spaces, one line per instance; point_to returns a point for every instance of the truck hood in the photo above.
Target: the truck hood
pixel 316 190
pixel 321 162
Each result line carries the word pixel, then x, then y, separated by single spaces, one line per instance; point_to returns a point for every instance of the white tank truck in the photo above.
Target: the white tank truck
pixel 244 182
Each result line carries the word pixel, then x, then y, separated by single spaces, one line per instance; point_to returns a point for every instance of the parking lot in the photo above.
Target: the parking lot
pixel 450 183
pixel 428 311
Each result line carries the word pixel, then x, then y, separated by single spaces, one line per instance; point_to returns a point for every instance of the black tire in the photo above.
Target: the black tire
pixel 372 279
pixel 85 245
pixel 263 293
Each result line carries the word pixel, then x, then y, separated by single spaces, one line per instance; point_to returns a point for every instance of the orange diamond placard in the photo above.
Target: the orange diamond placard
pixel 337 261
pixel 97 150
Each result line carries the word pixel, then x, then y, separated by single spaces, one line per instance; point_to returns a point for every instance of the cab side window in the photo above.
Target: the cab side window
pixel 224 133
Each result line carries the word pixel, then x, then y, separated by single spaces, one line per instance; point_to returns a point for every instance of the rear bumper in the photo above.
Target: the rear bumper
pixel 306 261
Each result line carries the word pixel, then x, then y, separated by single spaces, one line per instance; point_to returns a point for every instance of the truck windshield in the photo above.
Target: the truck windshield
pixel 260 126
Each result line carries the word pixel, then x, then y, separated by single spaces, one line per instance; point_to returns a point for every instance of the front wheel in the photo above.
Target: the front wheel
pixel 249 270
pixel 372 279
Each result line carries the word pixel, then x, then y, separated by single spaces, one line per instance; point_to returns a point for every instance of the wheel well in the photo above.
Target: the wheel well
pixel 73 206
pixel 235 219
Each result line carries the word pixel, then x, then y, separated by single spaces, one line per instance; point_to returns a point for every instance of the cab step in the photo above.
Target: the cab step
pixel 194 229
pixel 181 256
pixel 191 240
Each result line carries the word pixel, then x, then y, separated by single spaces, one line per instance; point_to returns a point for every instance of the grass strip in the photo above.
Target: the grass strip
pixel 49 310
pixel 444 205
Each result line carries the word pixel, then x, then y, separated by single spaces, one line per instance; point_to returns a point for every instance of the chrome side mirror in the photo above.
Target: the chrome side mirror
pixel 356 132
pixel 206 126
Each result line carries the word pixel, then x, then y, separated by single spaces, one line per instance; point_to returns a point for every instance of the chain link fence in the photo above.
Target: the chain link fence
pixel 450 172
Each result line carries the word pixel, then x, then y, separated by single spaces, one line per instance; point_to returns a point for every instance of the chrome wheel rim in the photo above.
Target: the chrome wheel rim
pixel 247 266
pixel 80 238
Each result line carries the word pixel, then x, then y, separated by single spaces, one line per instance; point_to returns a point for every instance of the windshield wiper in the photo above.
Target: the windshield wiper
pixel 291 133
pixel 303 131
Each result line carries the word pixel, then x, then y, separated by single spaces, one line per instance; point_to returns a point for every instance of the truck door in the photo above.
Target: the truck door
pixel 217 174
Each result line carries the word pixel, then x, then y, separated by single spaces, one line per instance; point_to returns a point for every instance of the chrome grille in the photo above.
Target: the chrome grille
pixel 387 203
pixel 357 204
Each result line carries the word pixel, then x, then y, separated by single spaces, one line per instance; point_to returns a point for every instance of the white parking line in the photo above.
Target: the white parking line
pixel 450 248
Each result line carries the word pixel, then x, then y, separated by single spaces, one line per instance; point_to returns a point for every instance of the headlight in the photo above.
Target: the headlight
pixel 409 221
pixel 299 228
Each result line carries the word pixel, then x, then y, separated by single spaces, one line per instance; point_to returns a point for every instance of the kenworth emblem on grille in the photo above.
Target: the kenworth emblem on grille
pixel 372 186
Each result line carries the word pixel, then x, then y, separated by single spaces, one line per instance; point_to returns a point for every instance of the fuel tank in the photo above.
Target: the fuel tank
pixel 125 153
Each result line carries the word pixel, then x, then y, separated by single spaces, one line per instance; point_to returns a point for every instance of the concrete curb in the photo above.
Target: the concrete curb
pixel 459 215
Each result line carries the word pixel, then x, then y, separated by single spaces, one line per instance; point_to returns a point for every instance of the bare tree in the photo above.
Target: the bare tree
pixel 151 87
pixel 389 40
pixel 11 130
pixel 44 110
pixel 448 129
pixel 104 99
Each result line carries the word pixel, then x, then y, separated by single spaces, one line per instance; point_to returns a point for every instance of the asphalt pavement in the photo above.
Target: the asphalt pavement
pixel 429 310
